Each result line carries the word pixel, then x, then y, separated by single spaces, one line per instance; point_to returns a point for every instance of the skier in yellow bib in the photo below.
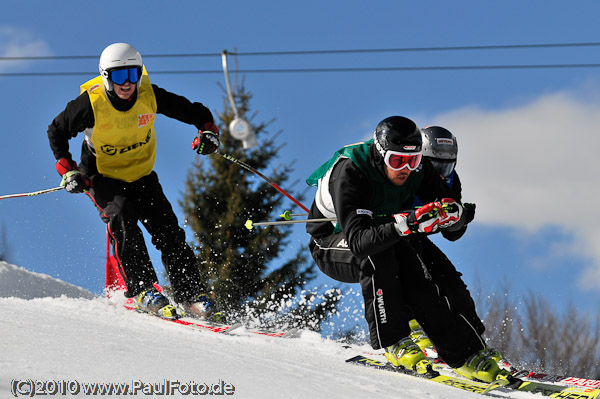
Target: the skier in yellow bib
pixel 116 112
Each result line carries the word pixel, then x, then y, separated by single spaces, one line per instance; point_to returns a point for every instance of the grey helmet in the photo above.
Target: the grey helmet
pixel 441 148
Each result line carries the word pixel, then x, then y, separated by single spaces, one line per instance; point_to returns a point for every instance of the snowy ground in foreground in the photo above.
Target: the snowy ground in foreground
pixel 90 340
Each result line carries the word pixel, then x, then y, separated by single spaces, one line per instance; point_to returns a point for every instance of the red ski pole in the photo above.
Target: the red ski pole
pixel 265 178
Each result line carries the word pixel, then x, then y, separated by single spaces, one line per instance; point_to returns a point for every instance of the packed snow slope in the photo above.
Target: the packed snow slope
pixel 68 339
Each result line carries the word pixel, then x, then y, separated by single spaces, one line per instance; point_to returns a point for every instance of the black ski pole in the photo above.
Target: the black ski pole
pixel 250 224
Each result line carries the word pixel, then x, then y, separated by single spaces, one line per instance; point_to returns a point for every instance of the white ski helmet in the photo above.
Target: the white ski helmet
pixel 118 55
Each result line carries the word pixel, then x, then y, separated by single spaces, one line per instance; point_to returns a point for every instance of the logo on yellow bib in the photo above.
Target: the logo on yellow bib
pixel 111 150
pixel 144 119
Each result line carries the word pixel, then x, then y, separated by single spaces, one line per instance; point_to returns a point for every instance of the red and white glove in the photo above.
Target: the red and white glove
pixel 453 211
pixel 72 179
pixel 207 140
pixel 425 219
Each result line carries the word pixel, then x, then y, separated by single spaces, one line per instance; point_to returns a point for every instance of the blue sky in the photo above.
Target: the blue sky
pixel 527 137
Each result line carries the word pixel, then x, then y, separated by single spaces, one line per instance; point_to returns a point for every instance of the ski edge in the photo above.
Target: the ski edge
pixel 206 325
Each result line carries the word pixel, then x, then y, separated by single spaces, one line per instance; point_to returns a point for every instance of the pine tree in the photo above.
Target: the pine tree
pixel 240 265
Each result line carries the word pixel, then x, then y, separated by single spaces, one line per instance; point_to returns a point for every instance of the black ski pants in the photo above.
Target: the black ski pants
pixel 449 279
pixel 122 205
pixel 397 287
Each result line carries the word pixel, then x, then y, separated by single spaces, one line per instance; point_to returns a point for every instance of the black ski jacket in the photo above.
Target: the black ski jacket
pixel 351 190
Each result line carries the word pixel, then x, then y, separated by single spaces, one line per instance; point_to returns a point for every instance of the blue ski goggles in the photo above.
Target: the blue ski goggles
pixel 121 75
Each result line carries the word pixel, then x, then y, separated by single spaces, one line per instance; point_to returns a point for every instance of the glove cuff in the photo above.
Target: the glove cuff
pixel 210 127
pixel 65 165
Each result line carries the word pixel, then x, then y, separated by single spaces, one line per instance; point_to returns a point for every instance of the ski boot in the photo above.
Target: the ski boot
pixel 407 355
pixel 418 335
pixel 483 366
pixel 203 307
pixel 494 354
pixel 502 362
pixel 152 301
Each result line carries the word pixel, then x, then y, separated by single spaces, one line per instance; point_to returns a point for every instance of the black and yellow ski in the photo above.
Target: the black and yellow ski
pixel 550 390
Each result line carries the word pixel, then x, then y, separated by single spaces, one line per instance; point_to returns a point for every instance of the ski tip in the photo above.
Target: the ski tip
pixel 291 333
pixel 232 327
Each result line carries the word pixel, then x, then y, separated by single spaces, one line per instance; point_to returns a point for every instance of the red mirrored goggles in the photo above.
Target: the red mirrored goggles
pixel 400 160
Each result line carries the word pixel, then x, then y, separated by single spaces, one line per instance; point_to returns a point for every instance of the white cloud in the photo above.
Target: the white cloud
pixel 536 166
pixel 16 42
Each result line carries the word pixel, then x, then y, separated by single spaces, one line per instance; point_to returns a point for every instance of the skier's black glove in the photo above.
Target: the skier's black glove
pixel 207 140
pixel 425 219
pixel 72 179
pixel 458 229
pixel 469 210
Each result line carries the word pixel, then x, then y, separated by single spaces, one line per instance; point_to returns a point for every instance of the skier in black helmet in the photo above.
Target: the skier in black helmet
pixel 370 188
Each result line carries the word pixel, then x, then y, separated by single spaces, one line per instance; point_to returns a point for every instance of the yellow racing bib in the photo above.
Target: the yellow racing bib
pixel 125 142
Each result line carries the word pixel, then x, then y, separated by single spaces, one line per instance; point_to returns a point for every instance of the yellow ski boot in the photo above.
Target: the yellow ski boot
pixel 406 354
pixel 152 301
pixel 481 366
pixel 418 335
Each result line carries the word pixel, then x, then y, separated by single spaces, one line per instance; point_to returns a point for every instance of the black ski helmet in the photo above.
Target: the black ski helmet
pixel 397 133
pixel 441 147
